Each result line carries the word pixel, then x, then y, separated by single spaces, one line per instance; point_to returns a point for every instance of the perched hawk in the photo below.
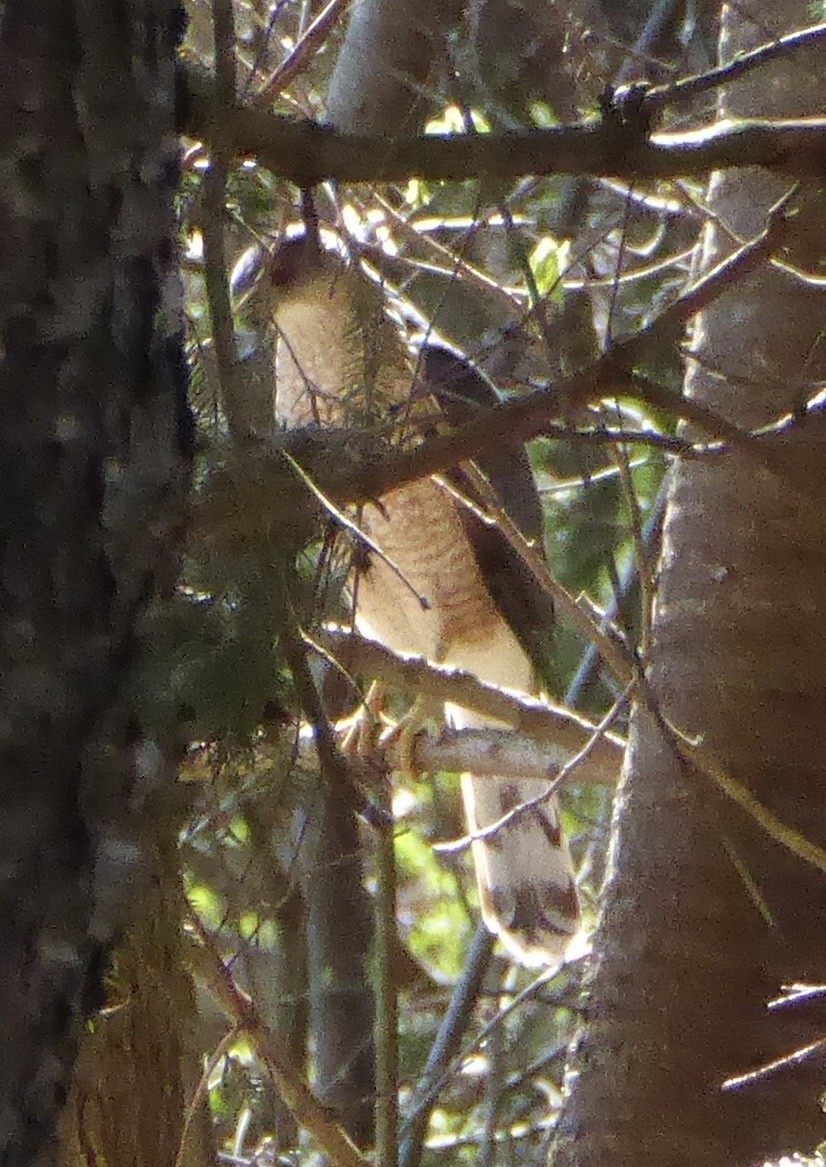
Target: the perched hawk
pixel 340 361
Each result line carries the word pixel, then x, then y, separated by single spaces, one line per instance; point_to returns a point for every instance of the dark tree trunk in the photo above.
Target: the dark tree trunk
pixel 93 468
pixel 339 934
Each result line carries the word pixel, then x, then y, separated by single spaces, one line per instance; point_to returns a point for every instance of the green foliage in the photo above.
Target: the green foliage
pixel 549 259
pixel 438 928
pixel 204 900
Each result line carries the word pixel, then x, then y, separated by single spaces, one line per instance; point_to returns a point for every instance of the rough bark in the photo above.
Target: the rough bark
pixel 706 917
pixel 137 1072
pixel 93 467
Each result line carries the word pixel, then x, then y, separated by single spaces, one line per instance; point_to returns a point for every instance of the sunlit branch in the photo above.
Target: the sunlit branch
pixel 546 738
pixel 309 153
pixel 689 87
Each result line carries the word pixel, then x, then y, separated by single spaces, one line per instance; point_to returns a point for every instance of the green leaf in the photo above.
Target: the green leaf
pixel 549 260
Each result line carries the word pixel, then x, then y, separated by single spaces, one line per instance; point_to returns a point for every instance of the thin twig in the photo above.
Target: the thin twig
pixel 450 1065
pixel 295 1093
pixel 658 17
pixel 445 1047
pixel 297 59
pixel 589 663
pixel 494 1086
pixel 553 787
pixel 703 760
pixel 528 417
pixel 638 542
pixel 689 87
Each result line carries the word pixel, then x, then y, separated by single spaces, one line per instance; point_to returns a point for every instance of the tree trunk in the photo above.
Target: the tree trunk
pixel 339 942
pixel 94 452
pixel 137 1072
pixel 705 916
pixel 393 51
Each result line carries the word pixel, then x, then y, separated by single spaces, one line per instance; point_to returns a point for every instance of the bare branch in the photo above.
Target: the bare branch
pixel 501 753
pixel 550 735
pixel 555 783
pixel 689 87
pixel 296 1094
pixel 613 374
pixel 446 1046
pixel 310 153
pixel 299 58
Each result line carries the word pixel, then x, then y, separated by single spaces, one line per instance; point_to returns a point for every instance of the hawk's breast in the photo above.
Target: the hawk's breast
pixel 436 598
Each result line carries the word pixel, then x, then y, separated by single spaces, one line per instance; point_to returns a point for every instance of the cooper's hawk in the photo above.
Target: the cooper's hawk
pixel 340 360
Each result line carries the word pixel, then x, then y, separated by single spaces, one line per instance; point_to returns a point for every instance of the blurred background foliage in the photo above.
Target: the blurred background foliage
pixel 532 282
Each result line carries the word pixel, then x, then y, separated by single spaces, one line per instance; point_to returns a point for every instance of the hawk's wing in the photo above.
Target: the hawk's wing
pixel 461 392
pixel 340 359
